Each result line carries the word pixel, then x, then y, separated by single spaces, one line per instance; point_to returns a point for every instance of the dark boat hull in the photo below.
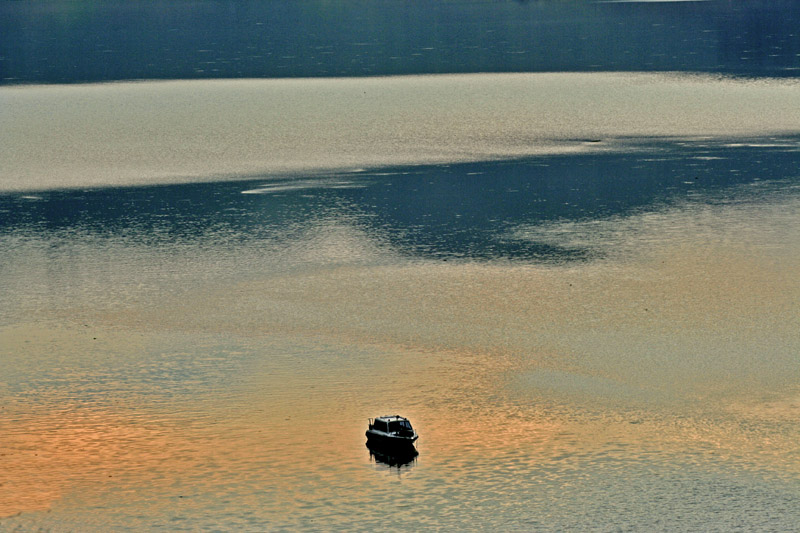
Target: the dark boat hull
pixel 389 443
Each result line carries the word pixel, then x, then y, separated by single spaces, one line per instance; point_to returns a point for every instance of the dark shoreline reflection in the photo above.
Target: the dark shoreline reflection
pixel 457 211
pixel 59 41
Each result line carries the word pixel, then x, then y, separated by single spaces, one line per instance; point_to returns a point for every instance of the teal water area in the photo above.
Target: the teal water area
pixel 67 42
pixel 450 211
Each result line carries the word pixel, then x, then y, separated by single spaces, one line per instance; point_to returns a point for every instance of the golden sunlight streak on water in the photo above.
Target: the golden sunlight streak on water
pixel 64 449
pixel 693 297
pixel 272 434
pixel 155 132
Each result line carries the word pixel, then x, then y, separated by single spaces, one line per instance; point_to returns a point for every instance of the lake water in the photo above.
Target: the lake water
pixel 56 41
pixel 581 287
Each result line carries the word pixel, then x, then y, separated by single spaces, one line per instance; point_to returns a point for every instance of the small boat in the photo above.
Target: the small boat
pixel 391 432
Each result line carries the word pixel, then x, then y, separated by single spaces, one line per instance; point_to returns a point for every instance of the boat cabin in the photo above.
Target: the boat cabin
pixel 392 432
pixel 390 424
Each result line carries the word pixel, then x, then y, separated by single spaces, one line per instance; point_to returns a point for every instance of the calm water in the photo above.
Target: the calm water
pixel 580 287
pixel 57 41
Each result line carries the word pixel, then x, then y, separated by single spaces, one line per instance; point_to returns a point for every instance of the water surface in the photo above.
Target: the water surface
pixel 206 355
pixel 574 271
pixel 65 42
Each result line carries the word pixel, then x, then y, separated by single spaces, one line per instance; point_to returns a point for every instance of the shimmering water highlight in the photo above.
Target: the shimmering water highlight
pixel 179 131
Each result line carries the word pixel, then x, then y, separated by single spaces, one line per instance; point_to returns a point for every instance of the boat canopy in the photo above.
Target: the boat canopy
pixel 391 424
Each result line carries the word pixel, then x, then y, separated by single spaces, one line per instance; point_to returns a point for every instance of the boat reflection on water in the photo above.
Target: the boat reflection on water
pixel 396 458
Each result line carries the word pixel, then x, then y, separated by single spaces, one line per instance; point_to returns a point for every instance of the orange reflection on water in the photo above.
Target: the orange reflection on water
pixel 46 455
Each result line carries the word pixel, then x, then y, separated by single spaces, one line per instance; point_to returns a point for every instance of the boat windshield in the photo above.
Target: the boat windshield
pixel 399 425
